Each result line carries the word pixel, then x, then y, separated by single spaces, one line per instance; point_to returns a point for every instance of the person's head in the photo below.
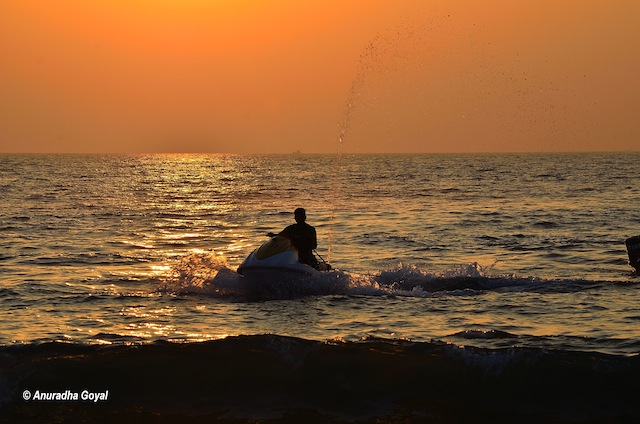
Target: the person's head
pixel 300 215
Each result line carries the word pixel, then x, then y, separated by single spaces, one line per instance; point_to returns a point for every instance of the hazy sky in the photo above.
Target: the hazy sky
pixel 254 76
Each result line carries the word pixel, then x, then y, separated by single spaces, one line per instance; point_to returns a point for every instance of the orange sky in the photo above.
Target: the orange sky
pixel 254 76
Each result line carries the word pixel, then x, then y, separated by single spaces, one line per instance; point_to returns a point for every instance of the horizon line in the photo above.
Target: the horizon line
pixel 295 153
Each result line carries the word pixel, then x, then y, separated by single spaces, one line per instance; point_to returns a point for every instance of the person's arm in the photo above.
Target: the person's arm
pixel 314 241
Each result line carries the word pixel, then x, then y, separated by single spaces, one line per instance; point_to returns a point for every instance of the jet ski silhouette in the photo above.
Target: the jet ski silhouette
pixel 278 257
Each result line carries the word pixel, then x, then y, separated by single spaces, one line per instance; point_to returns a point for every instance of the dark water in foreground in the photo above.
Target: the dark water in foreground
pixel 283 379
pixel 466 287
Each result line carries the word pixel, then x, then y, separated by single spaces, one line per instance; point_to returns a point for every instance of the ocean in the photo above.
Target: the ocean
pixel 465 288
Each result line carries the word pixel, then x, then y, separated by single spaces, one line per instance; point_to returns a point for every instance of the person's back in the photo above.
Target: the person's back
pixel 303 237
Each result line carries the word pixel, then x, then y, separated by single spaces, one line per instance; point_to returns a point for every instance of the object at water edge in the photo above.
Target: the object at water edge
pixel 633 249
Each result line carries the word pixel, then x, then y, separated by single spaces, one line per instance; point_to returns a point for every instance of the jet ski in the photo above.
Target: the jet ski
pixel 278 257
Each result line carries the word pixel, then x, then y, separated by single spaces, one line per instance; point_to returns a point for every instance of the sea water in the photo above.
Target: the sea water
pixel 458 272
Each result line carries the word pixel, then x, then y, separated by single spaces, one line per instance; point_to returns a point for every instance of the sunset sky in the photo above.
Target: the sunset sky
pixel 256 76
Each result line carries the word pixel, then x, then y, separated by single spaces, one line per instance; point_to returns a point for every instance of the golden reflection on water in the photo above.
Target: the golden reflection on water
pixel 159 270
pixel 144 312
pixel 149 330
pixel 155 323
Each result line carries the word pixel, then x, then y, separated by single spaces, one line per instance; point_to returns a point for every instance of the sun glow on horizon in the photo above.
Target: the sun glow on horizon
pixel 248 76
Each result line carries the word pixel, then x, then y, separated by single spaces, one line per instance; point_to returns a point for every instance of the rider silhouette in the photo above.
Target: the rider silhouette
pixel 303 237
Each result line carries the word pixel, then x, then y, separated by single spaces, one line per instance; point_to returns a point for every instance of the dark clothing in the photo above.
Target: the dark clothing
pixel 304 238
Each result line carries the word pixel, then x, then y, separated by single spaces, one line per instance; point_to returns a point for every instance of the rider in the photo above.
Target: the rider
pixel 303 237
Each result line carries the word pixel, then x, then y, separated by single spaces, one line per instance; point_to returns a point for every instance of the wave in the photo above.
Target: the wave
pixel 271 378
pixel 209 274
pixel 498 339
pixel 70 259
